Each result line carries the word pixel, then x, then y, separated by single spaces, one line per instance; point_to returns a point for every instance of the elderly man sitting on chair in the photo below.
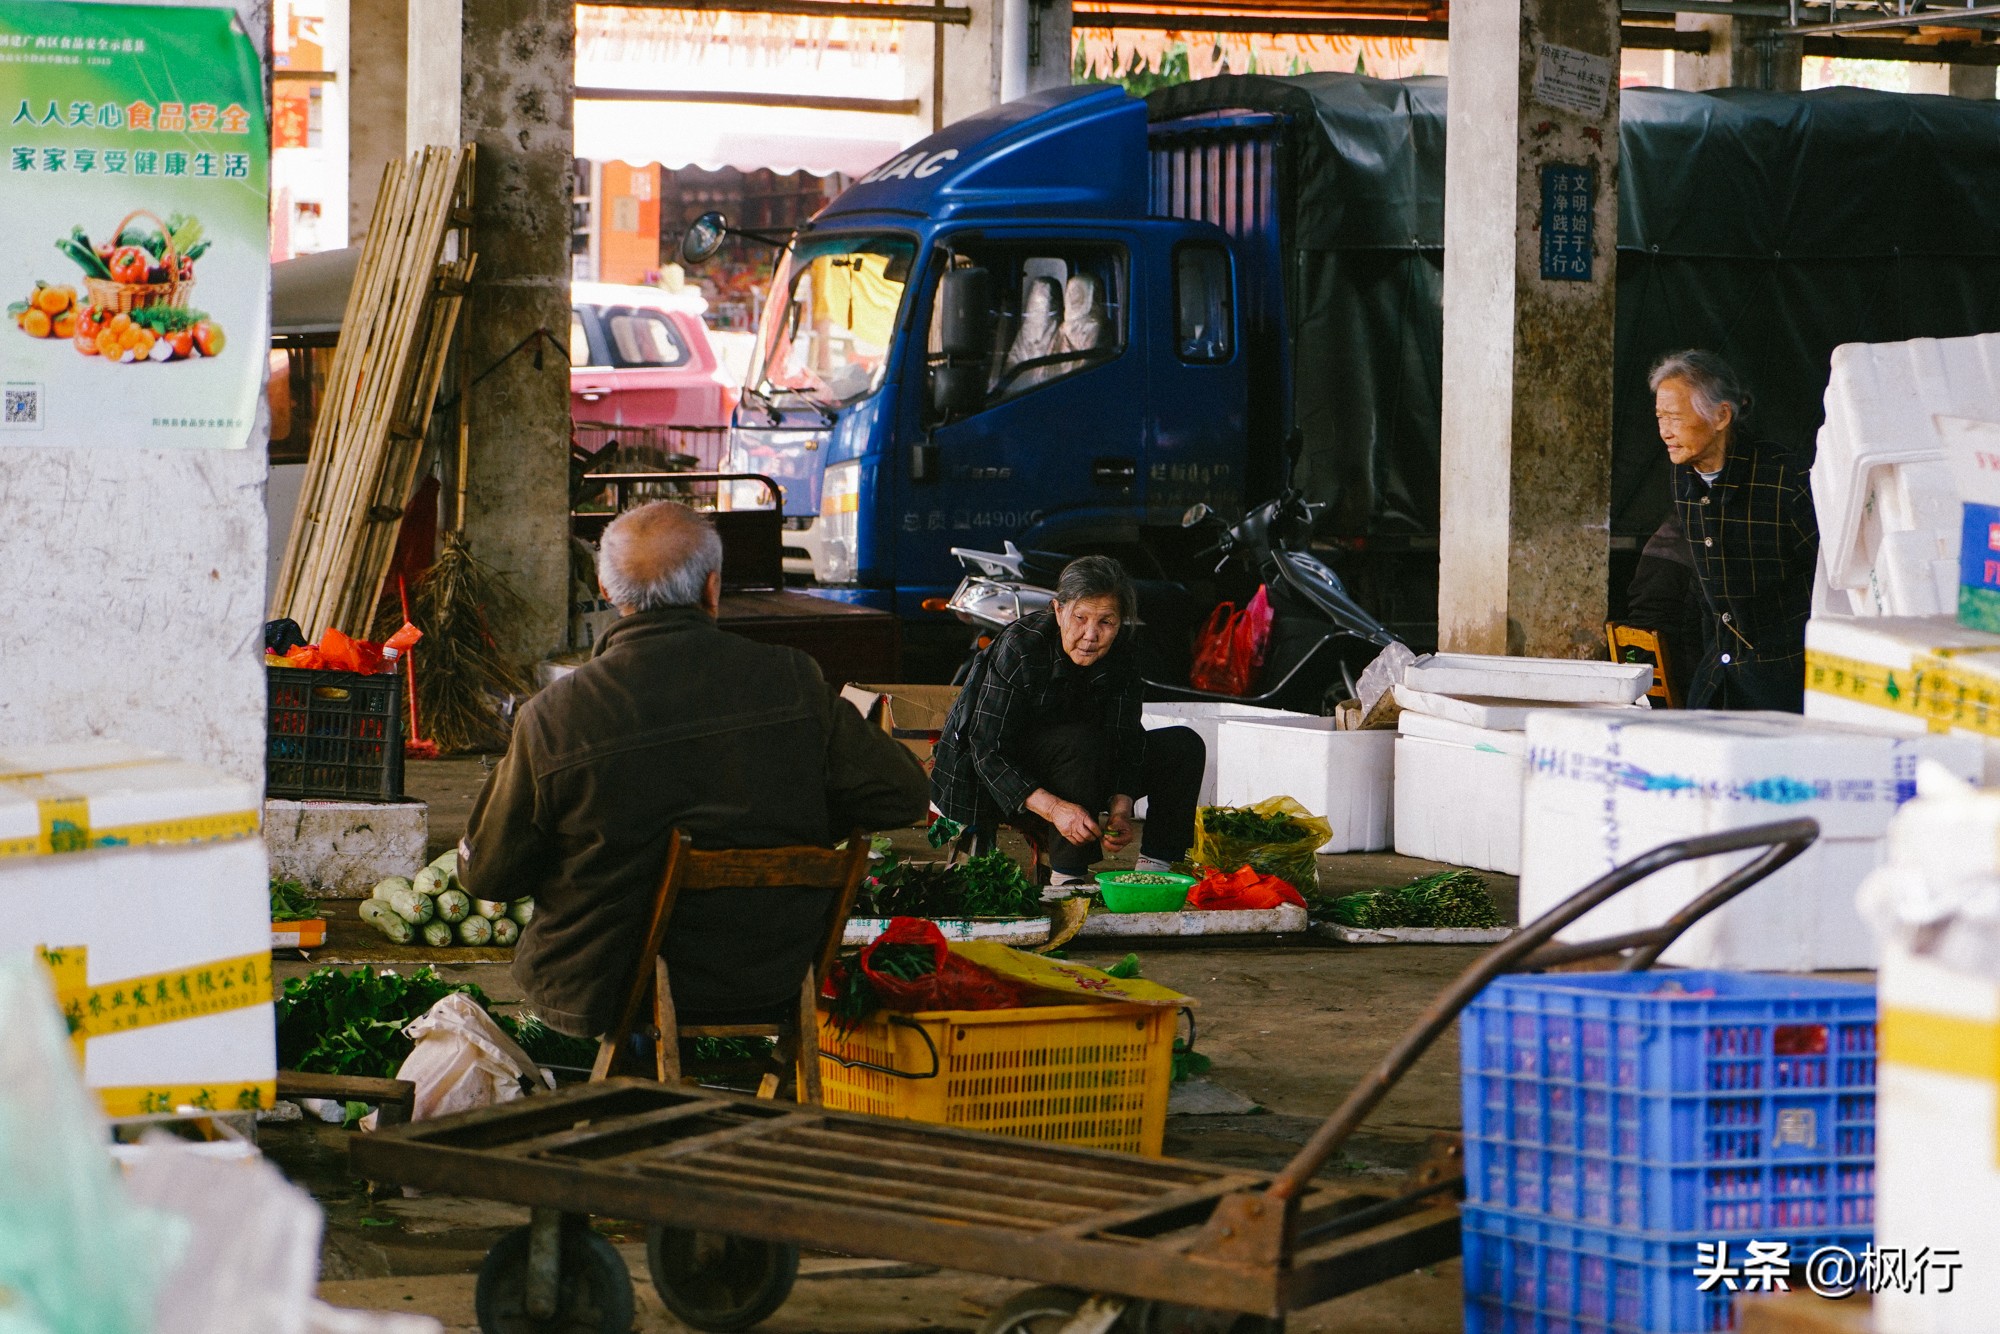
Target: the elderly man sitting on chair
pixel 674 723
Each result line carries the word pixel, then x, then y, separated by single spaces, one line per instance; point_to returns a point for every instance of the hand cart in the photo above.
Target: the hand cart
pixel 733 1186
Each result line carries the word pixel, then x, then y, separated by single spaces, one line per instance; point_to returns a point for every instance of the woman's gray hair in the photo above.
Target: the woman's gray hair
pixel 658 556
pixel 1711 382
pixel 1098 577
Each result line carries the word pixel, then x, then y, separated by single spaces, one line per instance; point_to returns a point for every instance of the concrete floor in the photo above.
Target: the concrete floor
pixel 1291 1025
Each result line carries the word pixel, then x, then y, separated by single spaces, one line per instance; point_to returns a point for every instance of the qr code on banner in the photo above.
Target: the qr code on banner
pixel 21 406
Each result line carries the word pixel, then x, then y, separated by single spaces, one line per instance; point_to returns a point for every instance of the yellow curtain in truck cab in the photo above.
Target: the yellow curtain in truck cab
pixel 853 292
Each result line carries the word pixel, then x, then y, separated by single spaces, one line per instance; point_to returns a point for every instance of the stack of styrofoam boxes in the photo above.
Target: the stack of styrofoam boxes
pixel 142 881
pixel 1889 514
pixel 1205 718
pixel 1619 1124
pixel 1909 674
pixel 1348 777
pixel 1936 906
pixel 1461 751
pixel 1605 786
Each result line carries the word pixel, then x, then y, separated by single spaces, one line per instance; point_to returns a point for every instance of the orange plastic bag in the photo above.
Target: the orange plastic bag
pixel 1229 653
pixel 1245 887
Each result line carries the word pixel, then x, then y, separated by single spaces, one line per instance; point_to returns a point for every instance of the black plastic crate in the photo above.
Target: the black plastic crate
pixel 335 735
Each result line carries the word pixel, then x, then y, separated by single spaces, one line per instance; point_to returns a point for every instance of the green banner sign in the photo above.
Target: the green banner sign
pixel 134 220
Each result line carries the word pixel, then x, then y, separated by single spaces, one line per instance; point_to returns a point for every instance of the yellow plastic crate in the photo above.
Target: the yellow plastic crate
pixel 1094 1075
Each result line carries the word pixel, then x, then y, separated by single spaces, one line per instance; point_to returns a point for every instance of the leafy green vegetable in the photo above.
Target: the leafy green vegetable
pixel 1446 899
pixel 167 319
pixel 1125 967
pixel 290 902
pixel 351 1023
pixel 1243 823
pixel 989 885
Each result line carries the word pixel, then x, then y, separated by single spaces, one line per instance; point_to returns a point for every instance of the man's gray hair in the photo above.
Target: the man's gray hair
pixel 1711 382
pixel 657 556
pixel 1098 577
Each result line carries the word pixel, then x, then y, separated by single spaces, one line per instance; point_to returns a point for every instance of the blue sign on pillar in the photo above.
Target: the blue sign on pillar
pixel 1569 202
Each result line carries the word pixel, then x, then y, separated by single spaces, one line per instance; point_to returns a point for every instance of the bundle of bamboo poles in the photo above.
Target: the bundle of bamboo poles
pixel 368 440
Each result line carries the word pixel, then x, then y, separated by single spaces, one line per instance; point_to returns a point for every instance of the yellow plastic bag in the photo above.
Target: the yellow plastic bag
pixel 1291 860
pixel 1072 980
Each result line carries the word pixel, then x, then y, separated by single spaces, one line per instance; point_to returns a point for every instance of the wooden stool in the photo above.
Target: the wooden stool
pixel 1623 637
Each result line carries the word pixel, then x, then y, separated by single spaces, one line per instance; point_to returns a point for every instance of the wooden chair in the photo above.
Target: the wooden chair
pixel 690 871
pixel 1626 640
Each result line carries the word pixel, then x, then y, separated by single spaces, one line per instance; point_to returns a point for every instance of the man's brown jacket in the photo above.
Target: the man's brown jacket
pixel 675 724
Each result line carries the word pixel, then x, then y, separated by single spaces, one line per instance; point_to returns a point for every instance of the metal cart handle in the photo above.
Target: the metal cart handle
pixel 1524 952
pixel 937 1062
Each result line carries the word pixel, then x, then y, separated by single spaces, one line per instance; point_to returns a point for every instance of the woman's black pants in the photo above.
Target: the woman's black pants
pixel 1073 760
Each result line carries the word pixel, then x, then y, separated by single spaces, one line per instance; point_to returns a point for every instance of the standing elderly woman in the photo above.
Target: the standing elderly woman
pixel 1046 735
pixel 1746 507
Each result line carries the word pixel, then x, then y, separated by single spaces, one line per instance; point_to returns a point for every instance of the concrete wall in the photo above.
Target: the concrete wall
pixel 377 87
pixel 132 591
pixel 972 58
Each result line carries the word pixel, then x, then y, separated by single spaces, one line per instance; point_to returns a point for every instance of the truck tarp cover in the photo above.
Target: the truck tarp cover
pixel 1769 227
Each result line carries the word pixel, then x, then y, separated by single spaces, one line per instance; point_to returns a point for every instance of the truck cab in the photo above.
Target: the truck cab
pixel 991 336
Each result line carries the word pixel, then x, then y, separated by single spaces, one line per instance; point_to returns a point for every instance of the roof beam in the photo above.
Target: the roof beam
pixel 1637 37
pixel 880 106
pixel 814 9
pixel 1888 48
pixel 1911 17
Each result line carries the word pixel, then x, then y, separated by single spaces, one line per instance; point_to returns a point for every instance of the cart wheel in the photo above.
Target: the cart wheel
pixel 593 1296
pixel 1036 1311
pixel 717 1282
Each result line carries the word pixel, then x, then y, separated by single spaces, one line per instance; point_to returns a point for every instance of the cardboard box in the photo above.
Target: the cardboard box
pixel 913 714
pixel 143 884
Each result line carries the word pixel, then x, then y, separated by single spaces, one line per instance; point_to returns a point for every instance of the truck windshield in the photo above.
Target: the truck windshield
pixel 826 332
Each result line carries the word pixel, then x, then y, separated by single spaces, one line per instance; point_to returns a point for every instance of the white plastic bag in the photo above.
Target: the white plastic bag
pixel 253 1257
pixel 463 1060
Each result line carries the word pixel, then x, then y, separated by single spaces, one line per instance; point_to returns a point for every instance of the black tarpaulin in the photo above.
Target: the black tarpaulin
pixel 1771 227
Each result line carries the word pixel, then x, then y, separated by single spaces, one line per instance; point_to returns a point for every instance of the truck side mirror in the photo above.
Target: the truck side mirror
pixel 704 238
pixel 965 314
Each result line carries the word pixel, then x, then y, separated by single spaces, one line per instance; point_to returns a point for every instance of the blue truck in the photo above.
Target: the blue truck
pixel 1066 319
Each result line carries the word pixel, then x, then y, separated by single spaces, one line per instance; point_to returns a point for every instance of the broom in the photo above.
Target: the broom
pixel 465 671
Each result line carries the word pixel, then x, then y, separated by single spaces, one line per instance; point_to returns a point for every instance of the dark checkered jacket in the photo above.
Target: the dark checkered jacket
pixel 1756 543
pixel 1024 680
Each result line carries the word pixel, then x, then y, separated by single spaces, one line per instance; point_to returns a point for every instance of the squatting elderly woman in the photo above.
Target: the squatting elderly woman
pixel 1746 507
pixel 1046 735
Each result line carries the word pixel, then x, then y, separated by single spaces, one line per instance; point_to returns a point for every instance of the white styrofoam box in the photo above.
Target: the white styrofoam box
pixel 1348 777
pixel 171 878
pixel 1605 786
pixel 1509 715
pixel 1560 680
pixel 1901 645
pixel 1937 1179
pixel 1887 505
pixel 1204 716
pixel 1458 792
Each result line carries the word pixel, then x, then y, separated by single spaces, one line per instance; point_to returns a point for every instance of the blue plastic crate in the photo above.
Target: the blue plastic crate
pixel 1719 1104
pixel 1532 1276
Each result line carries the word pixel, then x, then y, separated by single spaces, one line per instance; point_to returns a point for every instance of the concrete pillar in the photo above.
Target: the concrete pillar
pixel 1971 81
pixel 502 74
pixel 971 73
pixel 1741 54
pixel 1524 550
pixel 377 87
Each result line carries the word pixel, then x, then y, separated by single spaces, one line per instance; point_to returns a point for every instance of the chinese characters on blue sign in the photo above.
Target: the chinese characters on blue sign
pixel 1569 201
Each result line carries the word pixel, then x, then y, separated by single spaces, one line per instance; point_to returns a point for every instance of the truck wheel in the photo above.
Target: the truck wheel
pixel 717 1282
pixel 593 1293
pixel 1036 1311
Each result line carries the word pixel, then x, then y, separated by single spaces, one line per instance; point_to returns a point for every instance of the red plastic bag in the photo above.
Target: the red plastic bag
pixel 954 984
pixel 1245 887
pixel 1230 650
